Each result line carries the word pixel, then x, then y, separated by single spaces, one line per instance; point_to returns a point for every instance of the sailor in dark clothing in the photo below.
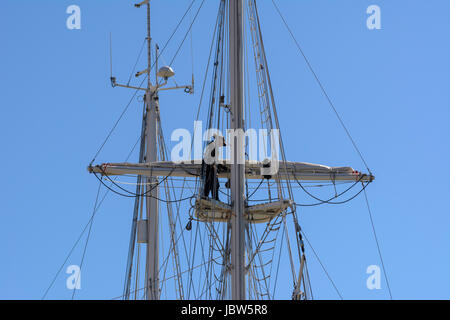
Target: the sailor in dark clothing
pixel 211 182
pixel 210 168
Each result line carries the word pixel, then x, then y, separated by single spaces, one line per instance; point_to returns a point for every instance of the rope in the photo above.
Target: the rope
pixel 339 202
pixel 168 278
pixel 137 60
pixel 136 91
pixel 87 240
pixel 323 267
pixel 76 242
pixel 115 124
pixel 84 230
pixel 378 245
pixel 134 195
pixel 254 191
pixel 321 87
pixel 187 33
pixel 145 194
pixel 336 196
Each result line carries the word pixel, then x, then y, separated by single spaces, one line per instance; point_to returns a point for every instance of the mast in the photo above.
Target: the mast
pixel 237 168
pixel 237 214
pixel 152 190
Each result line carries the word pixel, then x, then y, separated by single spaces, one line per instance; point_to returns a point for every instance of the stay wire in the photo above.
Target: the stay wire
pixel 378 245
pixel 115 124
pixel 188 31
pixel 137 61
pixel 87 240
pixel 83 231
pixel 96 207
pixel 321 87
pixel 323 267
pixel 136 90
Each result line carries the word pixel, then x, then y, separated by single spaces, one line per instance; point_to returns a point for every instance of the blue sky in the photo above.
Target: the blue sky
pixel 391 87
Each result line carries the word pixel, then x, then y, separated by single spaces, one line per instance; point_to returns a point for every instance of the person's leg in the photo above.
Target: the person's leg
pixel 208 182
pixel 216 185
pixel 216 191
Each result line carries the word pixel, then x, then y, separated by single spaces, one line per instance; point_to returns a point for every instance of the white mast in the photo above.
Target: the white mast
pixel 152 192
pixel 150 226
pixel 237 168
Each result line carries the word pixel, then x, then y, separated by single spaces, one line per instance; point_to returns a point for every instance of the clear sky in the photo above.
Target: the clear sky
pixel 391 87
